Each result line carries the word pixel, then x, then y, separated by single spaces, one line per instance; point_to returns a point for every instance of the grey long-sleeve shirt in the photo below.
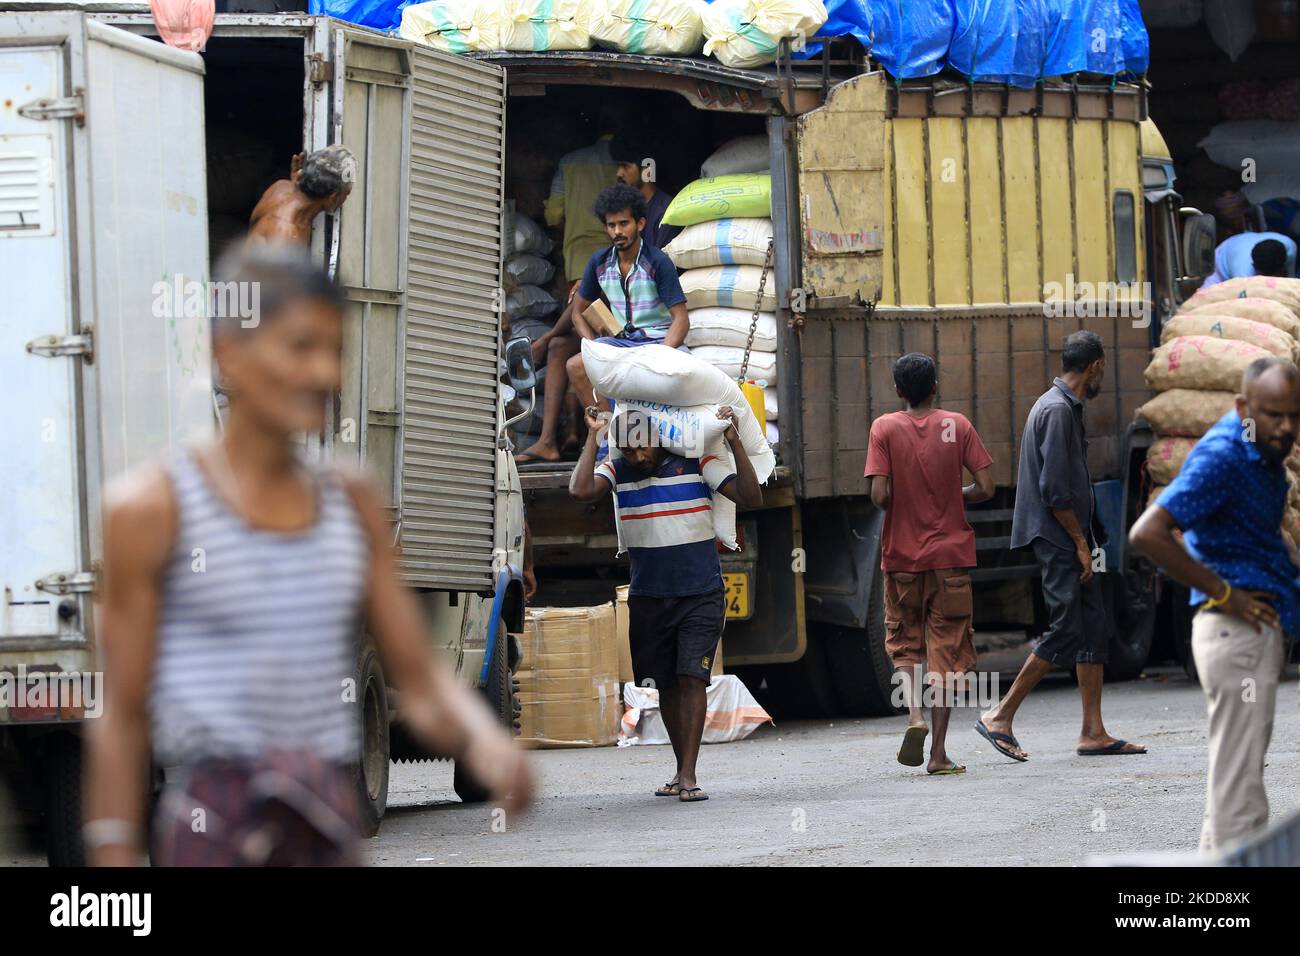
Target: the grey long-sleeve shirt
pixel 1053 471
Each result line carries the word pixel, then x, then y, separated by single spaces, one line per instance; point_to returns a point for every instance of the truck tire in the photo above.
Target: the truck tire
pixel 371 774
pixel 860 666
pixel 1131 603
pixel 63 819
pixel 803 688
pixel 499 691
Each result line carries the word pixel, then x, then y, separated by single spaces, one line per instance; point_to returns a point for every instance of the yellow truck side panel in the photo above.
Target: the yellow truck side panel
pixel 913 259
pixel 949 235
pixel 1054 199
pixel 1091 210
pixel 985 191
pixel 1020 186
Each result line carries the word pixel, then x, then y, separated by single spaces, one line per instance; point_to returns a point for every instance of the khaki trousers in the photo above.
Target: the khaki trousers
pixel 1238 669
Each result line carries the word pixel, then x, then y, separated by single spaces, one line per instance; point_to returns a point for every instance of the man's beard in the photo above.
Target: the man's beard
pixel 1274 454
pixel 1092 390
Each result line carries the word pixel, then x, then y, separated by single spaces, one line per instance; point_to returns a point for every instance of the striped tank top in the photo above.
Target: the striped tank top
pixel 258 629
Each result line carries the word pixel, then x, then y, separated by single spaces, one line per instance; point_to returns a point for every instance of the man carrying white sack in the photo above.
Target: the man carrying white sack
pixel 676 608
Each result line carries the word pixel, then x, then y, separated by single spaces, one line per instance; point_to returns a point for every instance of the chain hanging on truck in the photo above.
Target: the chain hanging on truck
pixel 758 308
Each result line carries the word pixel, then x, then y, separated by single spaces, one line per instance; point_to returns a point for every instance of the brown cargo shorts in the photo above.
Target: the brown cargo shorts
pixel 928 618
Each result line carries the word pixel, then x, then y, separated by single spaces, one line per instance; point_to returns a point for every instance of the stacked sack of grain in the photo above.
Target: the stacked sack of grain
pixel 722 250
pixel 1197 369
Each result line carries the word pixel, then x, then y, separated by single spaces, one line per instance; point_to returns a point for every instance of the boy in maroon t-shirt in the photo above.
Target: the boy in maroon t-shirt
pixel 927 547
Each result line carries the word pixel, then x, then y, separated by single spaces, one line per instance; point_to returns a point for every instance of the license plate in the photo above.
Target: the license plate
pixel 737 587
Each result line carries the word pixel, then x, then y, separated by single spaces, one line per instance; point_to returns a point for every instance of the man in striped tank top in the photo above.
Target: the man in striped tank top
pixel 676 608
pixel 237 581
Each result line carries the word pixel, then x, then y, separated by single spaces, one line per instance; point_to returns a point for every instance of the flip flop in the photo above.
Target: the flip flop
pixel 524 458
pixel 912 753
pixel 1112 750
pixel 993 737
pixel 947 771
pixel 692 795
pixel 669 790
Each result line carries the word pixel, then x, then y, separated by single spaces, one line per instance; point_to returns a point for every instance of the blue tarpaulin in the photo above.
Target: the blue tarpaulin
pixel 379 14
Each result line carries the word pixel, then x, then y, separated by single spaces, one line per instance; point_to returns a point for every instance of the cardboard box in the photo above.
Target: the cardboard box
pixel 625 674
pixel 568 678
pixel 602 320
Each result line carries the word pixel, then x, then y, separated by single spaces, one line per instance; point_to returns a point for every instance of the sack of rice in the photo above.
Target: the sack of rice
pixel 537 25
pixel 1165 458
pixel 773 434
pixel 743 196
pixel 730 287
pixel 724 242
pixel 746 33
pixel 769 404
pixel 1186 412
pixel 1265 336
pixel 528 269
pixel 1200 362
pixel 1258 310
pixel 731 327
pixel 762 365
pixel 654 27
pixel 744 154
pixel 530 302
pixel 457 26
pixel 1279 289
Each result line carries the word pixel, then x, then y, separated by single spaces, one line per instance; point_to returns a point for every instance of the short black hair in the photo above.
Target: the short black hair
pixel 915 375
pixel 1269 257
pixel 614 199
pixel 279 273
pixel 1080 349
pixel 1264 364
pixel 629 147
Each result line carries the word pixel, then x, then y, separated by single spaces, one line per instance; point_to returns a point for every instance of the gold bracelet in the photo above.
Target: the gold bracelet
pixel 1220 601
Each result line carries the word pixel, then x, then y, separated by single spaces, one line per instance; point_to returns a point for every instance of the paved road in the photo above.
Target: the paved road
pixel 856 804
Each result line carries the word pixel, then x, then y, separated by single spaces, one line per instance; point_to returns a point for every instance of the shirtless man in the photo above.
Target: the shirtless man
pixel 318 182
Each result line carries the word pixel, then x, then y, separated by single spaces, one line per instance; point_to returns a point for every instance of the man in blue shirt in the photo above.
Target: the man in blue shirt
pixel 1252 254
pixel 1229 501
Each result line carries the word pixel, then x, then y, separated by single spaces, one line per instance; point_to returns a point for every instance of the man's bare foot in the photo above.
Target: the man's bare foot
pixel 997 730
pixel 571 445
pixel 540 451
pixel 940 764
pixel 1106 745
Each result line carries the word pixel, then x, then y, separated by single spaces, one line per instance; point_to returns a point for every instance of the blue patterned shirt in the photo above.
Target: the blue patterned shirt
pixel 642 300
pixel 1229 503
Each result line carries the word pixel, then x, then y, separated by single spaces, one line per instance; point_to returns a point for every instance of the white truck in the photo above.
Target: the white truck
pixel 106 189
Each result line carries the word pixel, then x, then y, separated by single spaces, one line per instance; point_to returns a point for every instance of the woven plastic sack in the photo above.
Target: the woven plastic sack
pixel 530 302
pixel 1279 289
pixel 528 269
pixel 457 26
pixel 537 25
pixel 747 33
pixel 1257 310
pixel 1185 412
pixel 1165 458
pixel 762 365
pixel 1268 337
pixel 770 407
pixel 184 24
pixel 731 327
pixel 745 196
pixel 1201 362
pixel 722 242
pixel 744 154
pixel 659 27
pixel 728 287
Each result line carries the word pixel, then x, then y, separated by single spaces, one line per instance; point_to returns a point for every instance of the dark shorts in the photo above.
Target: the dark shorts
pixel 675 636
pixel 1078 627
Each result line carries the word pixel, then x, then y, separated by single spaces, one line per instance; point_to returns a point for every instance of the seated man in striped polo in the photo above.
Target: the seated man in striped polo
pixel 664 507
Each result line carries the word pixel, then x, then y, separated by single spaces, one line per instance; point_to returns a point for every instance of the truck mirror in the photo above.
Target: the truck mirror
pixel 1198 242
pixel 519 364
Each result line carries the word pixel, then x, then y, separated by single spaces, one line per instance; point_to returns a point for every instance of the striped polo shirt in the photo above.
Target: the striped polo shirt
pixel 642 300
pixel 666 523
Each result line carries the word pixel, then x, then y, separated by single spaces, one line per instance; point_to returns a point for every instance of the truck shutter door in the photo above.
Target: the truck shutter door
pixel 452 321
pixel 841 200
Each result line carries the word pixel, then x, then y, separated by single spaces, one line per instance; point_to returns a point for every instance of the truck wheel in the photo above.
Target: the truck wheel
pixel 804 688
pixel 859 665
pixel 371 774
pixel 500 694
pixel 63 819
pixel 1131 603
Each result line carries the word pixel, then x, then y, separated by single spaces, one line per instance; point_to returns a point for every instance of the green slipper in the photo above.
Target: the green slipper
pixel 947 771
pixel 912 753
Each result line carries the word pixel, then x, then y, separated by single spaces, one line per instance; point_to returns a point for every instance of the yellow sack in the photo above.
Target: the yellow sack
pixel 747 33
pixel 457 26
pixel 1286 291
pixel 1230 327
pixel 1257 310
pixel 662 27
pixel 1165 458
pixel 741 196
pixel 1201 362
pixel 1186 412
pixel 536 25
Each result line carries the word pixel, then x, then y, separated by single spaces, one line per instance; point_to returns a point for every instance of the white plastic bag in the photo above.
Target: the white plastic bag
pixel 762 365
pixel 537 25
pixel 746 33
pixel 530 302
pixel 731 713
pixel 721 242
pixel 457 26
pixel 773 433
pixel 744 154
pixel 657 27
pixel 1231 24
pixel 525 236
pixel 729 287
pixel 716 326
pixel 528 269
pixel 770 408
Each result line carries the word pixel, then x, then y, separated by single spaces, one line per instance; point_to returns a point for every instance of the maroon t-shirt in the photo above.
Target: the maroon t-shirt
pixel 925 526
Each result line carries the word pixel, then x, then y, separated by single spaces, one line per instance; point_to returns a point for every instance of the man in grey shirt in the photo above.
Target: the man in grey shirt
pixel 1054 511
